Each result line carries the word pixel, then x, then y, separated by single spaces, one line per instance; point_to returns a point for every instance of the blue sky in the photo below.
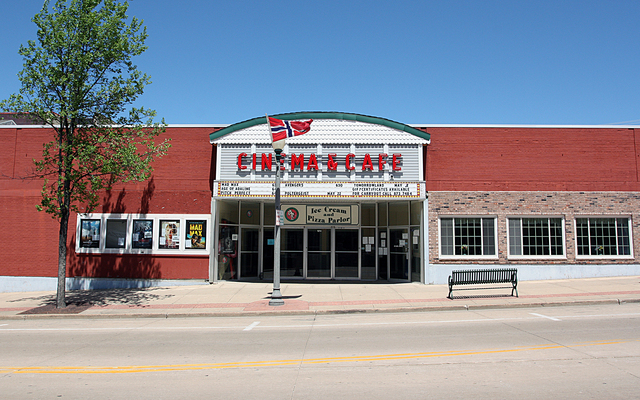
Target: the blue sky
pixel 416 62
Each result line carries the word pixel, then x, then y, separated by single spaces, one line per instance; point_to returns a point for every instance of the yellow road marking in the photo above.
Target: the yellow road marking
pixel 278 363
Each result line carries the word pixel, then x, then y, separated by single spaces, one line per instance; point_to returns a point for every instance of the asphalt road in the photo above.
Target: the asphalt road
pixel 554 352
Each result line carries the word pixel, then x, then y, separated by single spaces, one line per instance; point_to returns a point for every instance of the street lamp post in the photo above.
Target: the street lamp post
pixel 276 296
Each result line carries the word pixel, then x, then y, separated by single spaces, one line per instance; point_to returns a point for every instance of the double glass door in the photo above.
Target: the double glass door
pixel 331 253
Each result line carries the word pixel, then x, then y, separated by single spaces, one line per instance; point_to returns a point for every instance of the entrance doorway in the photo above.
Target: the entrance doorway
pixel 332 253
pixel 315 253
pixel 399 253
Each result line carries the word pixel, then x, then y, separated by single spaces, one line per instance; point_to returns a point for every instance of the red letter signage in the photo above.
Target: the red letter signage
pixel 396 161
pixel 297 160
pixel 313 162
pixel 348 165
pixel 332 165
pixel 240 166
pixel 266 161
pixel 367 164
pixel 381 161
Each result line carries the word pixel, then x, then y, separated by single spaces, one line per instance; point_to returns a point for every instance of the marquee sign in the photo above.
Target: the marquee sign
pixel 307 189
pixel 298 162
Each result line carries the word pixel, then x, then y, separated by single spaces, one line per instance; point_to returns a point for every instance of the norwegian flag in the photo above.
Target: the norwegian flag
pixel 281 130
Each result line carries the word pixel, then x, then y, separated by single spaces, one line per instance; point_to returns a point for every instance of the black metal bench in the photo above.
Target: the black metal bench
pixel 482 276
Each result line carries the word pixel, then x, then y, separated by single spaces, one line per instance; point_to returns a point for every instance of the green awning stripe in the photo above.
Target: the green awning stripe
pixel 321 115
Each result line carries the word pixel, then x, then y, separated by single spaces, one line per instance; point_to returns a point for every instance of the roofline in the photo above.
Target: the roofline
pixel 167 126
pixel 321 115
pixel 524 126
pixel 224 126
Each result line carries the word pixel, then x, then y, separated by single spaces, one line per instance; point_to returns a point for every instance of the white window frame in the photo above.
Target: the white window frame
pixel 467 256
pixel 600 257
pixel 536 257
pixel 155 250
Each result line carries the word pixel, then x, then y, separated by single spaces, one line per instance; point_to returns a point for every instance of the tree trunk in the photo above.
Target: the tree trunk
pixel 62 259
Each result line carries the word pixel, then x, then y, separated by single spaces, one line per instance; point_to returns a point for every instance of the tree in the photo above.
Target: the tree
pixel 79 79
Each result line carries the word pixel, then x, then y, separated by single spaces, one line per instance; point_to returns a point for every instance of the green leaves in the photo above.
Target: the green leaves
pixel 79 78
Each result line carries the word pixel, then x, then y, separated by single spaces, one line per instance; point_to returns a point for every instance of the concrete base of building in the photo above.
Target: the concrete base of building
pixel 438 274
pixel 38 284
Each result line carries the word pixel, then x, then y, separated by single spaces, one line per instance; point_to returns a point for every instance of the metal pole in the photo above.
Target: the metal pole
pixel 276 296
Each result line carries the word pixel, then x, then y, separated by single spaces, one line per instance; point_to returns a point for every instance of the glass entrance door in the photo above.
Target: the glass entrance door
pixel 399 253
pixel 346 253
pixel 291 253
pixel 319 246
pixel 249 252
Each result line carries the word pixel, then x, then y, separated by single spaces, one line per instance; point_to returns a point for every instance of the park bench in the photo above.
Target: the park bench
pixel 482 276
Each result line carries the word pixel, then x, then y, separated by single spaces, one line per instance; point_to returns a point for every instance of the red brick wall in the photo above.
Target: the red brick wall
pixel 181 184
pixel 512 159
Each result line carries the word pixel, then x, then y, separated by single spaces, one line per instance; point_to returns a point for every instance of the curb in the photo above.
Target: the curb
pixel 319 312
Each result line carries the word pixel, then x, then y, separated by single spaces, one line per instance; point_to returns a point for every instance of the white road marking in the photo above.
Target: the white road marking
pixel 545 316
pixel 322 325
pixel 250 327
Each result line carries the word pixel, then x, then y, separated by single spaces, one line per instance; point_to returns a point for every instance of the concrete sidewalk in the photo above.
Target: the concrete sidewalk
pixel 252 298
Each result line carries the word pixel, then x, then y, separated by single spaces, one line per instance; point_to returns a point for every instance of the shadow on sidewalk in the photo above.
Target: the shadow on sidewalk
pixel 80 300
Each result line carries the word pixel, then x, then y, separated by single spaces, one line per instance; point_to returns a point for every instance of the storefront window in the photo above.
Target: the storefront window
pixel 90 233
pixel 142 236
pixel 250 213
pixel 382 214
pixel 269 213
pixel 228 252
pixel 169 235
pixel 368 254
pixel 603 237
pixel 368 214
pixel 196 234
pixel 467 237
pixel 416 212
pixel 398 213
pixel 228 212
pixel 536 237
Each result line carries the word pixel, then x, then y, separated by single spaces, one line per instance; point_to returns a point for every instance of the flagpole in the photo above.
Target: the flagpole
pixel 276 296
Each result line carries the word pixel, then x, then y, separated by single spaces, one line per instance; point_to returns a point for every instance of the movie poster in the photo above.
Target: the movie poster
pixel 196 235
pixel 90 233
pixel 169 235
pixel 142 234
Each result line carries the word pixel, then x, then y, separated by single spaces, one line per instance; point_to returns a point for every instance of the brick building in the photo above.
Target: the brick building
pixel 365 198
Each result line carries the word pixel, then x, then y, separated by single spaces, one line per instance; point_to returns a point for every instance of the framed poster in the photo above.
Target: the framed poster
pixel 142 236
pixel 195 234
pixel 169 236
pixel 90 233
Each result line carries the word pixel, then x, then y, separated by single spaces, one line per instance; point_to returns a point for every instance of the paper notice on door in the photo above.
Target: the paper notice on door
pixel 367 248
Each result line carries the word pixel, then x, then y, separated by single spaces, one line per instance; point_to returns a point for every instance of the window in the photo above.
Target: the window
pixel 536 237
pixel 603 237
pixel 462 237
